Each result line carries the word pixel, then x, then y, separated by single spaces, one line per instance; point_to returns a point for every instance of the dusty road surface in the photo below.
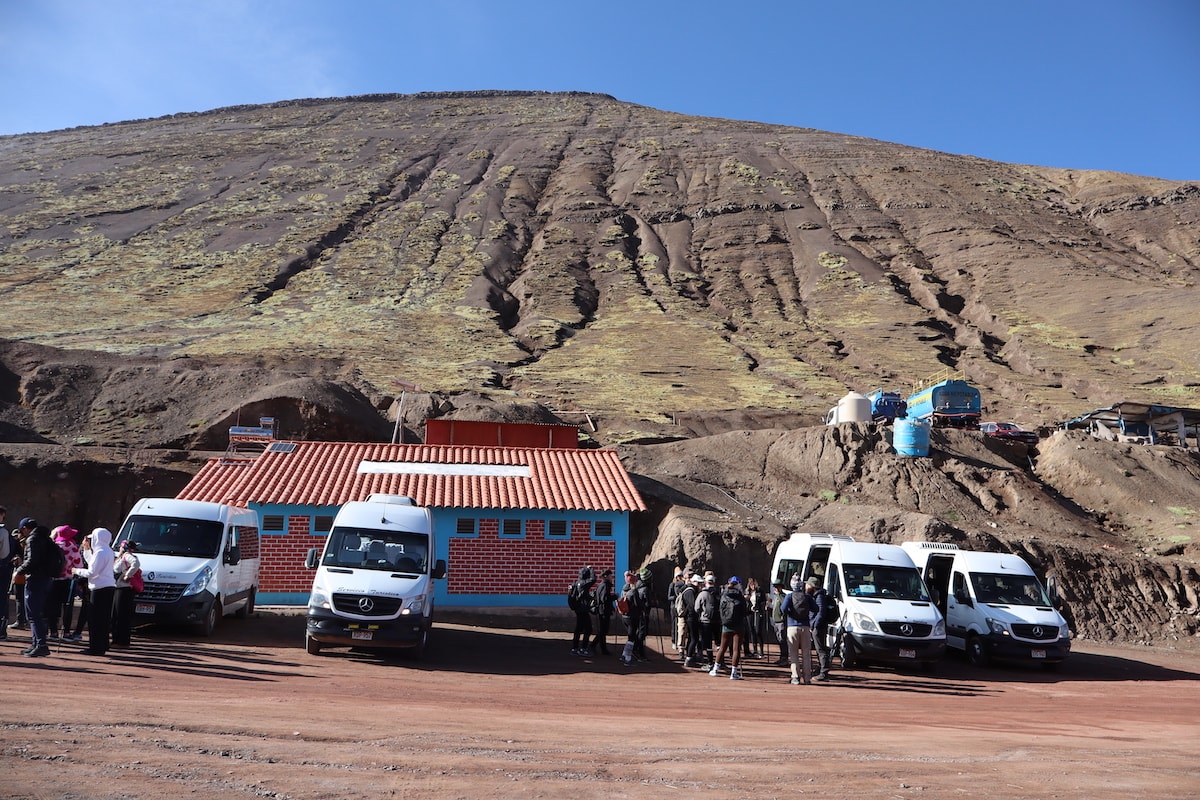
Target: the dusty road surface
pixel 499 713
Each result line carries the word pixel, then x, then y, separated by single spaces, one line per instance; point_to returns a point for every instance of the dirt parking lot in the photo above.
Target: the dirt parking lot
pixel 509 713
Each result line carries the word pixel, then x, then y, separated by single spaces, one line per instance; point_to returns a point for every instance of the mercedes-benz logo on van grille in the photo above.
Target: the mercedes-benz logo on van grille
pixel 149 576
pixel 366 605
pixel 1037 631
pixel 906 629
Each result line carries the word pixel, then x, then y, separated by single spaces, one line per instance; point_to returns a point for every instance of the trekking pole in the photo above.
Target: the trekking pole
pixel 661 615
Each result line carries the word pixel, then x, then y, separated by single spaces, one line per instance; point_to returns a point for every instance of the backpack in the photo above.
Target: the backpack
pixel 5 544
pixel 682 604
pixel 623 604
pixel 733 610
pixel 58 560
pixel 574 602
pixel 777 614
pixel 832 612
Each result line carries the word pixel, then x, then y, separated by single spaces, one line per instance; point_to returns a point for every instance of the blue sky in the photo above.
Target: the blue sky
pixel 1095 84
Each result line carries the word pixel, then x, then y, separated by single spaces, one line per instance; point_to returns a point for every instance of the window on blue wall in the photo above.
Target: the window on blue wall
pixel 603 527
pixel 272 523
pixel 465 526
pixel 512 529
pixel 557 529
pixel 322 524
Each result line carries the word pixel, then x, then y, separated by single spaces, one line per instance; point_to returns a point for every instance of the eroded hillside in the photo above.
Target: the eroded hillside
pixel 598 256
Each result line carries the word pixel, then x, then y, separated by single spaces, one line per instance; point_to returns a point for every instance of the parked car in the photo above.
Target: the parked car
pixel 1009 431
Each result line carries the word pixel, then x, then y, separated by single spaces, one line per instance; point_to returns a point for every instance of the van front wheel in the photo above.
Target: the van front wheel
pixel 976 653
pixel 311 646
pixel 849 657
pixel 211 618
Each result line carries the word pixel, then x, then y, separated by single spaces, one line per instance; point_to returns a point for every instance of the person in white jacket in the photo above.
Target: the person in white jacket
pixel 97 552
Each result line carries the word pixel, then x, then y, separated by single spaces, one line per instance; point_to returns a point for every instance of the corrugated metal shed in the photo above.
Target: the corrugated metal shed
pixel 435 476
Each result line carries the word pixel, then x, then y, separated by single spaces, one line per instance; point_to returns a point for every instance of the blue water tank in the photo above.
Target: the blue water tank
pixel 910 437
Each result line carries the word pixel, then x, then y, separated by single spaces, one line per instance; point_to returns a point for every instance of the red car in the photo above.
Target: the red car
pixel 1009 431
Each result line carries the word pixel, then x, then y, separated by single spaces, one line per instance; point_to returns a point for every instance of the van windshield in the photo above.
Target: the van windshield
pixel 172 536
pixel 894 583
pixel 367 548
pixel 1013 590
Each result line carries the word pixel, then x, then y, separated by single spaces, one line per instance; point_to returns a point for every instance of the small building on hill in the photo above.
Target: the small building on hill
pixel 514 524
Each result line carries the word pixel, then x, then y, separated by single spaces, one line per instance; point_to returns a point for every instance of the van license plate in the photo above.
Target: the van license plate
pixel 1039 654
pixel 361 634
pixel 908 653
pixel 144 608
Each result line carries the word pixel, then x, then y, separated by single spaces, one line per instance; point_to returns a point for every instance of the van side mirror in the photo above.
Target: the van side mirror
pixel 310 560
pixel 1052 590
pixel 233 554
pixel 439 568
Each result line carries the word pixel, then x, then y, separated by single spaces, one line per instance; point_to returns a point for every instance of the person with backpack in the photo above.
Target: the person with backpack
pixel 43 563
pixel 678 584
pixel 824 614
pixel 16 557
pixel 685 613
pixel 579 598
pixel 602 606
pixel 799 609
pixel 732 612
pixel 707 600
pixel 779 622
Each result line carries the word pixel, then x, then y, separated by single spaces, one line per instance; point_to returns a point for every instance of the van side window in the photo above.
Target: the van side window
pixel 835 582
pixel 960 587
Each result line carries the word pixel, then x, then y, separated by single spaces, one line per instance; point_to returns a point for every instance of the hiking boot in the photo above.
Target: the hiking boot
pixel 36 652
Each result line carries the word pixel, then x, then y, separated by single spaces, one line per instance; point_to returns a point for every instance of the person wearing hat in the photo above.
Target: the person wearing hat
pixel 635 613
pixel 16 556
pixel 685 620
pixel 579 598
pixel 779 621
pixel 604 594
pixel 709 621
pixel 41 566
pixel 678 584
pixel 799 609
pixel 733 623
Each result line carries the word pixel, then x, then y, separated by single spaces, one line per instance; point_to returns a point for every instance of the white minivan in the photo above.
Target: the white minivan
pixel 886 613
pixel 374 582
pixel 994 604
pixel 199 560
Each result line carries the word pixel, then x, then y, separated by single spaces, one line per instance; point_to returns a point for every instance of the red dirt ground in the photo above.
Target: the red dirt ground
pixel 504 713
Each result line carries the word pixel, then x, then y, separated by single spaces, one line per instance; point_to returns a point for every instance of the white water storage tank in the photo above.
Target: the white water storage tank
pixel 854 407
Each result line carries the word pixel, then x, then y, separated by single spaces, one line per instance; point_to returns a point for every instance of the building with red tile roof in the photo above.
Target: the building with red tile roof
pixel 514 524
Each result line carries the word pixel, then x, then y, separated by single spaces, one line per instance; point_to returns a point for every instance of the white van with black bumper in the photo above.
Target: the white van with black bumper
pixel 374 582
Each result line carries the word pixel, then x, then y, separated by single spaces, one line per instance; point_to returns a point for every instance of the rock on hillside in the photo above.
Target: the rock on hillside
pixel 724 501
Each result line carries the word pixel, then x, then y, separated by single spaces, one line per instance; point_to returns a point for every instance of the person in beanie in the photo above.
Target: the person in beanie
pixel 580 599
pixel 707 600
pixel 732 613
pixel 40 568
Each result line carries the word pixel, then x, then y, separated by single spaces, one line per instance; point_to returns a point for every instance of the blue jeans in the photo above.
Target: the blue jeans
pixel 36 590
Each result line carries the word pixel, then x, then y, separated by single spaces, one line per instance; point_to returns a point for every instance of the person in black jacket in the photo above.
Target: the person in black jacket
pixel 40 567
pixel 603 597
pixel 580 598
pixel 820 629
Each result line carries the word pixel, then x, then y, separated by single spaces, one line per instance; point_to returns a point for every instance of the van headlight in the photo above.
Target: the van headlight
pixel 997 627
pixel 864 622
pixel 319 599
pixel 415 606
pixel 200 583
pixel 939 630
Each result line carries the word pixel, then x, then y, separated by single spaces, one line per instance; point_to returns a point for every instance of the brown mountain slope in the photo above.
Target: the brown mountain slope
pixel 598 256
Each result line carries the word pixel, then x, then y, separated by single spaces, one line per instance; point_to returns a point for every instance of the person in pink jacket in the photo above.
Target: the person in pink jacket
pixel 60 590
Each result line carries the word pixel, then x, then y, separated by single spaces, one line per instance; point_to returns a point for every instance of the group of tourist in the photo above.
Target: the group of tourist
pixel 48 570
pixel 715 626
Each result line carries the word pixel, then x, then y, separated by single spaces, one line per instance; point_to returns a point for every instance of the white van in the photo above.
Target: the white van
pixel 199 560
pixel 374 581
pixel 886 614
pixel 994 605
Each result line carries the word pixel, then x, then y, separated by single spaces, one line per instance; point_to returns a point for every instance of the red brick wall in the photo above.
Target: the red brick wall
pixel 533 565
pixel 283 567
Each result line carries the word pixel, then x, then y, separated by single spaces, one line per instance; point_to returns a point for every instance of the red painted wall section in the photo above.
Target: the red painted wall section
pixel 283 567
pixel 533 565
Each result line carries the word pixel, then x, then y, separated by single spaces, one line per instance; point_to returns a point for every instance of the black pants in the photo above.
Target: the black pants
pixel 123 600
pixel 100 620
pixel 583 630
pixel 56 602
pixel 600 643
